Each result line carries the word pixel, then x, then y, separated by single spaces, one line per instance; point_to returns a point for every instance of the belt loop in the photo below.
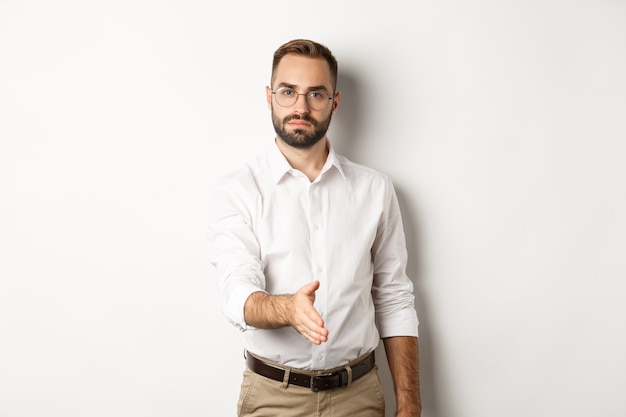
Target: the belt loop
pixel 285 384
pixel 349 370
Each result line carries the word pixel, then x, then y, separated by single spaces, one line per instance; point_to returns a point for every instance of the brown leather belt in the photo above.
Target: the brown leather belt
pixel 315 381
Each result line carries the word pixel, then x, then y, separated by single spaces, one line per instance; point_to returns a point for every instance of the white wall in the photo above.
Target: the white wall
pixel 502 124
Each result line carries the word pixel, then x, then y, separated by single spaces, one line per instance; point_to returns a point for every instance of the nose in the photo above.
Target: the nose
pixel 302 105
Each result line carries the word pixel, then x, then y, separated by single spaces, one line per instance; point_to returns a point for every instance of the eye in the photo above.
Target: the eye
pixel 318 95
pixel 286 92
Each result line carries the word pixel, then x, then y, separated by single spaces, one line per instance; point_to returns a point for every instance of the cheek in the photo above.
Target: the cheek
pixel 279 113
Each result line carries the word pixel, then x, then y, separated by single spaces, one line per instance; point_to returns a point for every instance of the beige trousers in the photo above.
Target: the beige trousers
pixel 264 397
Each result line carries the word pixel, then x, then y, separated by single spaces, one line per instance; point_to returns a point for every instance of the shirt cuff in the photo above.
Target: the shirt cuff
pixel 400 323
pixel 234 300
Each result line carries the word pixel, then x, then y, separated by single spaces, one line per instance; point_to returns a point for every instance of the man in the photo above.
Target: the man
pixel 311 258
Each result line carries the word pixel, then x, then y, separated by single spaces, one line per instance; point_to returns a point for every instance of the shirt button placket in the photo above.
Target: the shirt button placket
pixel 318 265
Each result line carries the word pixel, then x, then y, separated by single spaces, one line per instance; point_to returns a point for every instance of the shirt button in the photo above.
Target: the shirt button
pixel 320 269
pixel 315 227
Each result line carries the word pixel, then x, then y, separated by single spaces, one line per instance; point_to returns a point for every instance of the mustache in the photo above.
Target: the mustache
pixel 304 117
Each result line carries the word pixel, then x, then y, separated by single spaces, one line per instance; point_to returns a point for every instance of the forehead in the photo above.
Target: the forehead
pixel 302 71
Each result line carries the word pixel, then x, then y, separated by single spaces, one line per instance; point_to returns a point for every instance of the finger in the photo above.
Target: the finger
pixel 311 331
pixel 315 338
pixel 309 289
pixel 318 332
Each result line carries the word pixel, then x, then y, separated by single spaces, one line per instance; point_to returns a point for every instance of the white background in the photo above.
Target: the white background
pixel 502 124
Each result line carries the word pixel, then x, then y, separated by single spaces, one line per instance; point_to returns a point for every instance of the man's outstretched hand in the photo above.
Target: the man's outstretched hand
pixel 266 311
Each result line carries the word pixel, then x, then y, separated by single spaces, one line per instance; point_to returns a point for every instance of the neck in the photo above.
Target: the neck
pixel 310 161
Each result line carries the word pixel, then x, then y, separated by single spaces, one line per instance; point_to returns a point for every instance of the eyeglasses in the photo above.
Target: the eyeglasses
pixel 287 97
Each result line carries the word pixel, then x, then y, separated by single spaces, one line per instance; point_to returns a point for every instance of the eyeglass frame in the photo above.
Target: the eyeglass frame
pixel 306 95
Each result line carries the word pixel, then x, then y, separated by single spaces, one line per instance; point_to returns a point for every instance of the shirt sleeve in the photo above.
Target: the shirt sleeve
pixel 233 249
pixel 392 289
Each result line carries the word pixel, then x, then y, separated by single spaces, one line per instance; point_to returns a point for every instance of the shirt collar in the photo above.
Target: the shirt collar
pixel 279 165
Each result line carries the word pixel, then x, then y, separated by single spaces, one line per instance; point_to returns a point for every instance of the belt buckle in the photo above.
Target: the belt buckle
pixel 325 381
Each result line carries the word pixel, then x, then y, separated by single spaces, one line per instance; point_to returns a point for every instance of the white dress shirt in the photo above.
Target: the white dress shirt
pixel 273 230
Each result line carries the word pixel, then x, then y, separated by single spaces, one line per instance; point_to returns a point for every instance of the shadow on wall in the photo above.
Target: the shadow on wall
pixel 347 129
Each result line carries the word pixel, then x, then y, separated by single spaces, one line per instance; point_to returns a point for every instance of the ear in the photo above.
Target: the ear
pixel 268 97
pixel 336 101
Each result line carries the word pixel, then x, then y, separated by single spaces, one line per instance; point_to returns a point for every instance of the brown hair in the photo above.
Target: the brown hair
pixel 309 49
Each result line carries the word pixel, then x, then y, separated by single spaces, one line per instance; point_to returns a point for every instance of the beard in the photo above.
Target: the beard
pixel 299 138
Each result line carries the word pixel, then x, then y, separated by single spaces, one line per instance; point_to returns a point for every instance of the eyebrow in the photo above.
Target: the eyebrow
pixel 312 88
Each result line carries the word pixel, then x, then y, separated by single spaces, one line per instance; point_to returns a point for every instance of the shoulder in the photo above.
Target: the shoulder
pixel 360 173
pixel 242 185
pixel 246 175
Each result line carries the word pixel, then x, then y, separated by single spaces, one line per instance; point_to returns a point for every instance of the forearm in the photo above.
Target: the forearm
pixel 265 311
pixel 403 358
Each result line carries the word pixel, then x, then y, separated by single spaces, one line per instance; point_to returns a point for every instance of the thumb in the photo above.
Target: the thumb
pixel 310 289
